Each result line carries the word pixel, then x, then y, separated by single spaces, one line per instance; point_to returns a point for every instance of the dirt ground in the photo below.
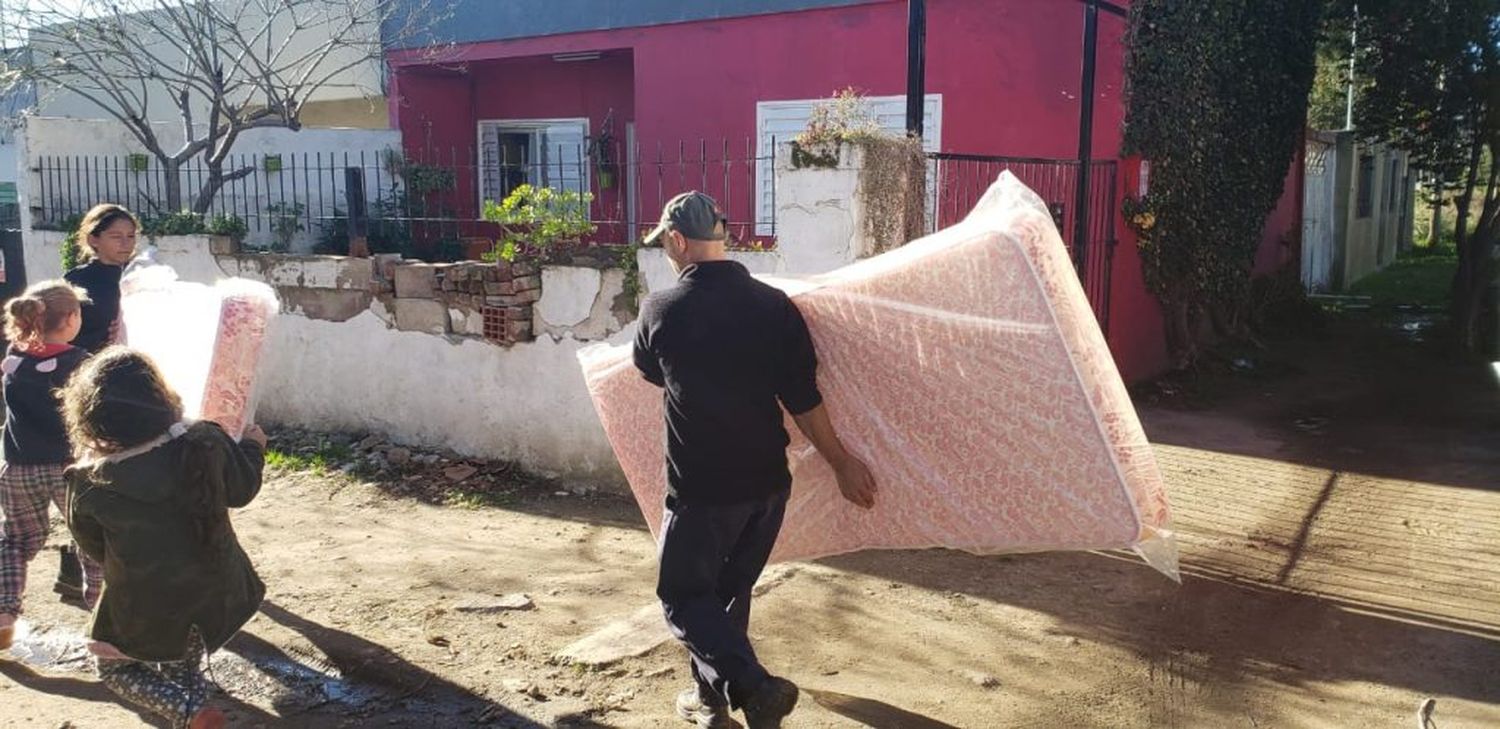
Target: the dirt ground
pixel 1338 506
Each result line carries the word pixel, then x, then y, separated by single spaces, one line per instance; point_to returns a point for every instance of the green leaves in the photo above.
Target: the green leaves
pixel 535 219
pixel 1217 98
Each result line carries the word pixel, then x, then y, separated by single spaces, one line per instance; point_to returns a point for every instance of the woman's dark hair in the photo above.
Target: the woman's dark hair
pixel 118 400
pixel 96 221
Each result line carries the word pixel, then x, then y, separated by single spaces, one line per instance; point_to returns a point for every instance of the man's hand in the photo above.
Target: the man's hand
pixel 254 434
pixel 856 482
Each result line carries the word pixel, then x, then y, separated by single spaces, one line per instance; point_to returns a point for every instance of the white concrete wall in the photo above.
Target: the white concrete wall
pixel 58 144
pixel 10 167
pixel 527 402
pixel 187 254
pixel 656 271
pixel 818 227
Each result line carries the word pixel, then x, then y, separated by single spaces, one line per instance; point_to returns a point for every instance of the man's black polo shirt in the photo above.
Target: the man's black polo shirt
pixel 726 348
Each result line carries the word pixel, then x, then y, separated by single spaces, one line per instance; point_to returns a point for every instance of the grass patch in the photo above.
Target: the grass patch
pixel 326 457
pixel 473 500
pixel 1421 278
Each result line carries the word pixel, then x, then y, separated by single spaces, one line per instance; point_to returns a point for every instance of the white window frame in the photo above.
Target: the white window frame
pixel 932 138
pixel 529 125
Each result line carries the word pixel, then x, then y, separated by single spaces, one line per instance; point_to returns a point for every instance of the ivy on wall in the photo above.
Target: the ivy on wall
pixel 1218 95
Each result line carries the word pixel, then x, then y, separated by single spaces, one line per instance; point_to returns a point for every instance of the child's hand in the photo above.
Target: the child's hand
pixel 254 434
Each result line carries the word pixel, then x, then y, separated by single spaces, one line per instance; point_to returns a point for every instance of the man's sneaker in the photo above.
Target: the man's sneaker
pixel 706 713
pixel 775 698
pixel 69 582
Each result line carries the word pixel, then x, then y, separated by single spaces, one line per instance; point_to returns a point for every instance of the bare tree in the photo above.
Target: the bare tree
pixel 221 67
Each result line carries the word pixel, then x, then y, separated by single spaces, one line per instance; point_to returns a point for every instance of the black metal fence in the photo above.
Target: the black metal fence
pixel 419 201
pixel 957 181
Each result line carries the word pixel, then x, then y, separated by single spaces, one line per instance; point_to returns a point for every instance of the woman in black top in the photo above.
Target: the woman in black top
pixel 106 241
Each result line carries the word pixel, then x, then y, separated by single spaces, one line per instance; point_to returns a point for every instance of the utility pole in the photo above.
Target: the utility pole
pixel 916 66
pixel 1353 50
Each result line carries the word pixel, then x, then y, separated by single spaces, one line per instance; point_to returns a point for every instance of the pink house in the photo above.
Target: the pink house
pixel 524 90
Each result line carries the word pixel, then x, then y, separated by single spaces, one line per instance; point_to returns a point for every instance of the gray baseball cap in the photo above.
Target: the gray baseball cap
pixel 693 214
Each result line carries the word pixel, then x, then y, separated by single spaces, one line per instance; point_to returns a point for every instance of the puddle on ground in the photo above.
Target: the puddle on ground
pixel 276 681
pixel 284 680
pixel 57 649
pixel 1415 326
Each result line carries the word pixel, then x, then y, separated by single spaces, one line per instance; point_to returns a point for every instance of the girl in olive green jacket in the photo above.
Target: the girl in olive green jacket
pixel 150 499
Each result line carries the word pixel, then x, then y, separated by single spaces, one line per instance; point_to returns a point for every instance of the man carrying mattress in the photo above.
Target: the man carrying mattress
pixel 730 352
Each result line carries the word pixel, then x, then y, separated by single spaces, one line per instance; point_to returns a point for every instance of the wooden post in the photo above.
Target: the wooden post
pixel 359 222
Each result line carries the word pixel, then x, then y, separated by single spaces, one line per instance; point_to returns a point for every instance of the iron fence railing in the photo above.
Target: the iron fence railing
pixel 959 180
pixel 422 198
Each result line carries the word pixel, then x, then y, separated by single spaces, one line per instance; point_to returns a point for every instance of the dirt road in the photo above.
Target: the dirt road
pixel 1341 542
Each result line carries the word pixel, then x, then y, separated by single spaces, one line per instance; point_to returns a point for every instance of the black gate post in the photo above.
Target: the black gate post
pixel 359 222
pixel 916 66
pixel 1085 138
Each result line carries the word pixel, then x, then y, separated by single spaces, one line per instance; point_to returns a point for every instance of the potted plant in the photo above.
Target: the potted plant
pixel 601 151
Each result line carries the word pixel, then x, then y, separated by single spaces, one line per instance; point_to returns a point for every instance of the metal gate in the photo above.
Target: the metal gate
pixel 1318 233
pixel 957 181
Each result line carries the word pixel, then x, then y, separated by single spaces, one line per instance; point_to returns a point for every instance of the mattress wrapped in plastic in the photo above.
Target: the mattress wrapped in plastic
pixel 207 340
pixel 967 369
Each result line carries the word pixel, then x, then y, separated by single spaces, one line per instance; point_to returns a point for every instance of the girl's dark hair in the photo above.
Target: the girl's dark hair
pixel 118 400
pixel 96 221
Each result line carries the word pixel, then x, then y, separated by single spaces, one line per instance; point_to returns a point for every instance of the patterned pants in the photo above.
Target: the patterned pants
pixel 25 492
pixel 175 690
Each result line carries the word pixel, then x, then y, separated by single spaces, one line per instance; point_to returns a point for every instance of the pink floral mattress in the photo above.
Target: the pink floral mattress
pixel 968 371
pixel 207 340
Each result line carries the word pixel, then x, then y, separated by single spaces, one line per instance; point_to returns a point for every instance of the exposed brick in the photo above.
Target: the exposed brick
pixel 503 272
pixel 415 281
pixel 527 283
pixel 522 297
pixel 449 284
pixel 494 323
pixel 417 315
pixel 518 313
pixel 524 268
pixel 518 331
pixel 499 288
pixel 489 273
pixel 385 265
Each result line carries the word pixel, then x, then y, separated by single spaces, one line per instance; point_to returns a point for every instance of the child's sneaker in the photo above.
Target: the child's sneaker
pixel 69 582
pixel 207 718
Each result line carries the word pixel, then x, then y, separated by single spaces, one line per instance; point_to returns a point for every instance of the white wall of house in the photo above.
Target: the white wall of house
pixel 50 150
pixel 361 80
pixel 1357 209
